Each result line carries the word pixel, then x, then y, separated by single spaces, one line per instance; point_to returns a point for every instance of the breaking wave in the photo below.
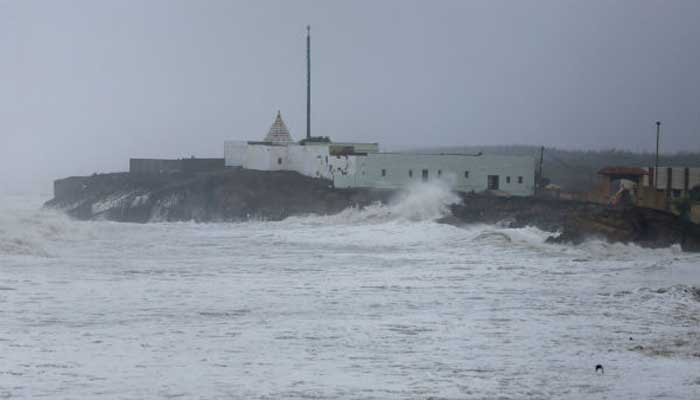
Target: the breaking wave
pixel 419 202
pixel 28 230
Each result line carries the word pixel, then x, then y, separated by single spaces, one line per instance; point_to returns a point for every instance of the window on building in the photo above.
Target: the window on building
pixel 520 179
pixel 383 172
pixel 507 179
pixel 466 174
pixel 439 173
pixel 410 173
pixel 279 160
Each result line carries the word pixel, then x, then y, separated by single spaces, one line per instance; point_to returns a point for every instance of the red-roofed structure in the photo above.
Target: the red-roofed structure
pixel 631 173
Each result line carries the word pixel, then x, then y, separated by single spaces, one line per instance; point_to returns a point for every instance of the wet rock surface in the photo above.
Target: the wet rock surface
pixel 239 194
pixel 229 195
pixel 573 222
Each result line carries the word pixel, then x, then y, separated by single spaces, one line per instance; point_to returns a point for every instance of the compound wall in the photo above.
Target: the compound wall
pixel 154 166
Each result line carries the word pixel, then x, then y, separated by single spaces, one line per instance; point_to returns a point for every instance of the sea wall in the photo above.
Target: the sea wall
pixel 193 165
pixel 166 166
pixel 154 166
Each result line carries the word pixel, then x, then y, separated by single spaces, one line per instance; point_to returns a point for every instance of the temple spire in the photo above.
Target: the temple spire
pixel 278 132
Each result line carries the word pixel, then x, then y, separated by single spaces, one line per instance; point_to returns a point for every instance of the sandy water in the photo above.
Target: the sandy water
pixel 380 303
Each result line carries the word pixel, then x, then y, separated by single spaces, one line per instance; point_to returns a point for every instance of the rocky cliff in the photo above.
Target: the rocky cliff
pixel 573 222
pixel 239 194
pixel 227 195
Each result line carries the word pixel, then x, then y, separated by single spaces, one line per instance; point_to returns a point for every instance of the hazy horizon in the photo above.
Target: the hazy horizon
pixel 89 84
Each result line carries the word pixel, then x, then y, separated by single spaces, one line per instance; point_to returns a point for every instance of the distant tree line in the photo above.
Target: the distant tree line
pixel 577 170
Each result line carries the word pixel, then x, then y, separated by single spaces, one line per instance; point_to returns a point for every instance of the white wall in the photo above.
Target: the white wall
pixel 677 179
pixel 309 160
pixel 234 153
pixel 693 177
pixel 315 161
pixel 265 157
pixel 342 166
pixel 390 170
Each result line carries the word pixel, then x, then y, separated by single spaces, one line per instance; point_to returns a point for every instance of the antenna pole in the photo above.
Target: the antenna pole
pixel 656 165
pixel 538 184
pixel 308 81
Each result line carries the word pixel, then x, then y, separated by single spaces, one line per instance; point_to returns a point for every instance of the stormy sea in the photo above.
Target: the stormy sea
pixel 378 303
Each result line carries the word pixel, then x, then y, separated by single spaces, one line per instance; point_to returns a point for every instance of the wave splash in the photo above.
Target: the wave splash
pixel 416 203
pixel 28 230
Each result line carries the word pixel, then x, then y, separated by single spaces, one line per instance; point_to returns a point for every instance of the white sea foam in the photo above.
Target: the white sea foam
pixel 419 202
pixel 25 231
pixel 380 302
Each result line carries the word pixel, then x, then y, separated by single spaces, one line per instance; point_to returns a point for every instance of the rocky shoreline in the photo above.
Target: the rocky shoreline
pixel 227 195
pixel 239 194
pixel 573 222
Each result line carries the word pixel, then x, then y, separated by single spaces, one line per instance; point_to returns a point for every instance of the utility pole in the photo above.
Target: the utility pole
pixel 538 186
pixel 308 81
pixel 656 164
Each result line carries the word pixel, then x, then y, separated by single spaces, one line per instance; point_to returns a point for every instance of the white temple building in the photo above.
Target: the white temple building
pixel 350 165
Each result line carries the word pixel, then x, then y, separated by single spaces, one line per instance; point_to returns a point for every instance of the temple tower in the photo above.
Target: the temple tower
pixel 278 132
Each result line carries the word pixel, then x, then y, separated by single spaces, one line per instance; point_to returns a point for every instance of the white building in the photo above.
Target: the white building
pixel 361 165
pixel 463 172
pixel 279 152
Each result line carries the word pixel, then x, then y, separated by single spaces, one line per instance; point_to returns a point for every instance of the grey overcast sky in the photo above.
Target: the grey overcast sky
pixel 84 85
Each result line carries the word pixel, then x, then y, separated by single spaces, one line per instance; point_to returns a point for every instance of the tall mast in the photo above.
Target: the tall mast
pixel 656 163
pixel 308 81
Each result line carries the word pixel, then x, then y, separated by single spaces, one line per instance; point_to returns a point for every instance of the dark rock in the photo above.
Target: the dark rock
pixel 574 222
pixel 240 194
pixel 229 195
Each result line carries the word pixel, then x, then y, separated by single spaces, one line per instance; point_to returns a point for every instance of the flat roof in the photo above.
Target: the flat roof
pixel 633 171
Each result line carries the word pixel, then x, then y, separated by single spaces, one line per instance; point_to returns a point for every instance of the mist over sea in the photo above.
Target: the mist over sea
pixel 380 303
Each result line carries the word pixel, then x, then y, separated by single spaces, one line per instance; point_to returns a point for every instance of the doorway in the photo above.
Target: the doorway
pixel 493 182
pixel 424 175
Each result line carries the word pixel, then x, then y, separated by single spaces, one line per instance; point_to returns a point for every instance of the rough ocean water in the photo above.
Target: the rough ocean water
pixel 382 303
